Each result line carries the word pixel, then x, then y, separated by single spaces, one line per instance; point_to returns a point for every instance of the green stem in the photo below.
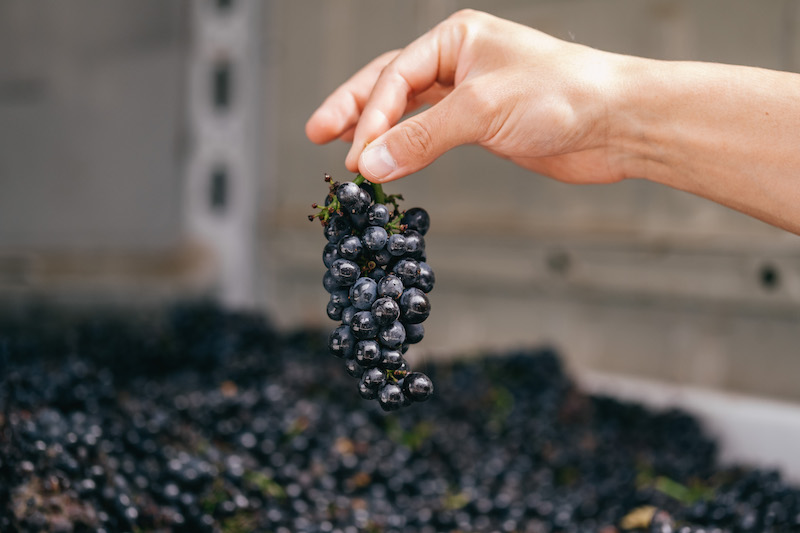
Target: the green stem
pixel 380 196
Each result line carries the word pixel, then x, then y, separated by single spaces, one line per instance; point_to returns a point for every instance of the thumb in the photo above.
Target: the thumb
pixel 418 141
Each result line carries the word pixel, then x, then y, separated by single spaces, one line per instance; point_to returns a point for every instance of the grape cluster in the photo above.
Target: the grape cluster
pixel 378 282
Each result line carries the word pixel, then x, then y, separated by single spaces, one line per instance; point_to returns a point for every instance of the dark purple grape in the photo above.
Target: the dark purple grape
pixel 404 368
pixel 330 254
pixel 350 247
pixel 347 314
pixel 373 378
pixel 414 333
pixel 378 215
pixel 367 392
pixel 396 244
pixel 393 335
pixel 348 194
pixel 329 282
pixel 375 238
pixel 415 243
pixel 334 311
pixel 367 186
pixel 385 310
pixel 353 368
pixel 340 298
pixel 362 204
pixel 363 293
pixel 342 342
pixel 337 227
pixel 417 219
pixel 345 272
pixel 426 277
pixel 390 286
pixel 414 306
pixel 382 257
pixel 417 386
pixel 377 273
pixel 390 397
pixel 407 270
pixel 391 359
pixel 364 325
pixel 359 220
pixel 368 353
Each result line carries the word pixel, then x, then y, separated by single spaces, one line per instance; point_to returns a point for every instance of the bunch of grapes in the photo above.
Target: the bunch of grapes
pixel 378 282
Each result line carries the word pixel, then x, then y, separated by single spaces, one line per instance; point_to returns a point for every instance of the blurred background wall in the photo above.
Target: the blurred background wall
pixel 153 151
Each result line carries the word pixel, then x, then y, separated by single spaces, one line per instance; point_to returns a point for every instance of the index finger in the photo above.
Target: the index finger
pixel 342 108
pixel 429 60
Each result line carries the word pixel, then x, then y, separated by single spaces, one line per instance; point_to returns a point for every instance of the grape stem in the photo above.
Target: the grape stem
pixel 377 188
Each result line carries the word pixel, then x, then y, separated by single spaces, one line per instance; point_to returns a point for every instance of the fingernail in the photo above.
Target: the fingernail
pixel 377 161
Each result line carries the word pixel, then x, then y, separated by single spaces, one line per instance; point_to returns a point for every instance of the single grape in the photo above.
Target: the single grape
pixel 385 310
pixel 414 306
pixel 391 359
pixel 415 243
pixel 377 273
pixel 426 277
pixel 345 272
pixel 329 282
pixel 407 270
pixel 350 247
pixel 368 353
pixel 417 219
pixel 340 298
pixel 404 368
pixel 374 238
pixel 362 204
pixel 366 391
pixel 353 368
pixel 330 254
pixel 359 220
pixel 337 227
pixel 417 386
pixel 382 257
pixel 396 244
pixel 367 186
pixel 378 215
pixel 393 335
pixel 334 311
pixel 364 325
pixel 373 378
pixel 363 293
pixel 347 193
pixel 390 286
pixel 390 397
pixel 414 333
pixel 341 342
pixel 347 314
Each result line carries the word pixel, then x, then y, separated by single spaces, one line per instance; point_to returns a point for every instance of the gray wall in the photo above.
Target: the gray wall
pixel 631 278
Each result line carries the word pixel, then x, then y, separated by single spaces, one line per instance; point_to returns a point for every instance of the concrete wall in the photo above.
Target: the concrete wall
pixel 632 278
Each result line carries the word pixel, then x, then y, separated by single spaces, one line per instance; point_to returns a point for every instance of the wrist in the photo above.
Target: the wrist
pixel 637 112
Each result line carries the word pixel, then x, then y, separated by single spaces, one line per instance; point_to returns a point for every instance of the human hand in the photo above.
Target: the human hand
pixel 521 94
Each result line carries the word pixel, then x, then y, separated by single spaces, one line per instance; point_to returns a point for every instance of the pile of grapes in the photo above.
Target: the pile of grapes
pixel 378 282
pixel 199 420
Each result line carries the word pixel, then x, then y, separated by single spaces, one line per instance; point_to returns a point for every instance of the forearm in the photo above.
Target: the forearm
pixel 728 133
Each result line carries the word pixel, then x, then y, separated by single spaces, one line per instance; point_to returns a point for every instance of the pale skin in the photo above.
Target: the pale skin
pixel 576 114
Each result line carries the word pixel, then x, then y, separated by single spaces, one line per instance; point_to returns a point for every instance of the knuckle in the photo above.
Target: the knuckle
pixel 417 138
pixel 465 14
